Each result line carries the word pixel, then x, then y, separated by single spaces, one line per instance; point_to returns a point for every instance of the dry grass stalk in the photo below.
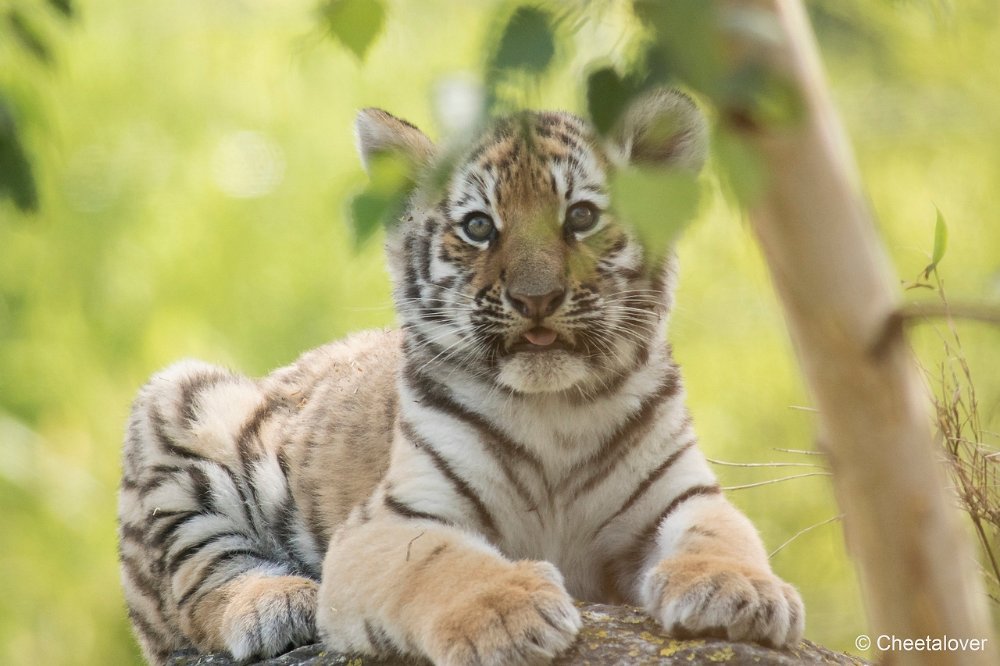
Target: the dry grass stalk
pixel 973 464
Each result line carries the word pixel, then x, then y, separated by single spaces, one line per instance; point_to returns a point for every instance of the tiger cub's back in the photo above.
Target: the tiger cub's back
pixel 223 474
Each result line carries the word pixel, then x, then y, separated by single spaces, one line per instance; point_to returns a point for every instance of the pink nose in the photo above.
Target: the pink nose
pixel 536 306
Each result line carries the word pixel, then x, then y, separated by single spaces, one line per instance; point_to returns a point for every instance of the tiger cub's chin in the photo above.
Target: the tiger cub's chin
pixel 543 372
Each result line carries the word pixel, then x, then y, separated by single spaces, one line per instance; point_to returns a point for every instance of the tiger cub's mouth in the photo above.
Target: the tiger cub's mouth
pixel 540 339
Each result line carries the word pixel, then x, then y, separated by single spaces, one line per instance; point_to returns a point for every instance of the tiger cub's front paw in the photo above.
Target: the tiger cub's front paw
pixel 713 596
pixel 520 616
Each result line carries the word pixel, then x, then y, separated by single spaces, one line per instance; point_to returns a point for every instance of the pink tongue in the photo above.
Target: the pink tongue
pixel 542 337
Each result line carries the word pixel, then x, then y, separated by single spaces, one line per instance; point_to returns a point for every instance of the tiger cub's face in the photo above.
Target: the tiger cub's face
pixel 518 271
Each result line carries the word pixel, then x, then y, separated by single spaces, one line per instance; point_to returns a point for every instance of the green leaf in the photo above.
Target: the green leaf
pixel 527 42
pixel 354 23
pixel 762 96
pixel 16 179
pixel 687 41
pixel 64 7
pixel 940 239
pixel 27 35
pixel 656 202
pixel 383 200
pixel 607 97
pixel 940 244
pixel 739 165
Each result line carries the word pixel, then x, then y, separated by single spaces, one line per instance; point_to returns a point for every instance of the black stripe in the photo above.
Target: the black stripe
pixel 201 486
pixel 208 569
pixel 245 503
pixel 501 448
pixel 158 641
pixel 250 449
pixel 283 463
pixel 690 493
pixel 406 511
pixel 191 390
pixel 644 542
pixel 160 538
pixel 379 639
pixel 284 530
pixel 177 561
pixel 312 517
pixel 146 585
pixel 160 474
pixel 164 440
pixel 461 485
pixel 633 558
pixel 648 481
pixel 130 532
pixel 250 431
pixel 629 434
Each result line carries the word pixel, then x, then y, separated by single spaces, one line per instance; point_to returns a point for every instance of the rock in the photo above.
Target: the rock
pixel 611 636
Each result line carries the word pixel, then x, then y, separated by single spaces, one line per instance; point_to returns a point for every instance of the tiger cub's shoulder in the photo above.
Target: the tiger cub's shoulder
pixel 368 356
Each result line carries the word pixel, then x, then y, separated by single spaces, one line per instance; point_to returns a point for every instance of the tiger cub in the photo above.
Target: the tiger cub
pixel 446 490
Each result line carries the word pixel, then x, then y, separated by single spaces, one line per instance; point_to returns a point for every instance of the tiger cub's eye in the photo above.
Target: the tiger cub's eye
pixel 479 228
pixel 581 217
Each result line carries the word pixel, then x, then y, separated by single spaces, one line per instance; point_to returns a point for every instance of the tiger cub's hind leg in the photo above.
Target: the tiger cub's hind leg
pixel 205 517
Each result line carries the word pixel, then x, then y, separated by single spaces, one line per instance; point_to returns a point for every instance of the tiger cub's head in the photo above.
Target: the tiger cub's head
pixel 517 269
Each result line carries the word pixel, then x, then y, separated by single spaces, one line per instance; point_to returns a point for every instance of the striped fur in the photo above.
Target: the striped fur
pixel 448 488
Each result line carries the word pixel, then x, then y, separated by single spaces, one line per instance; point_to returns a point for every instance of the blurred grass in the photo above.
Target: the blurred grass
pixel 194 159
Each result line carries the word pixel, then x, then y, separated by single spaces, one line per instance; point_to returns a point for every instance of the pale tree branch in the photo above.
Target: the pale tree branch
pixel 838 295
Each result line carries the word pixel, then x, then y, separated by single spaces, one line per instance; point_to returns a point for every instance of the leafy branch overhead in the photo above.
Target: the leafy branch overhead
pixel 354 23
pixel 20 25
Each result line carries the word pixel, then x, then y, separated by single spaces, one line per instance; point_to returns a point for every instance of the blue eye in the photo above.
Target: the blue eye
pixel 479 227
pixel 581 217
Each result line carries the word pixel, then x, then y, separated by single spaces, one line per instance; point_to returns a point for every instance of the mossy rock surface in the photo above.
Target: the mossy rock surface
pixel 611 636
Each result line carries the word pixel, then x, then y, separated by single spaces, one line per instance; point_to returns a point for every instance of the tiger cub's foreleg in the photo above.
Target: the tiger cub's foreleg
pixel 202 502
pixel 706 573
pixel 401 581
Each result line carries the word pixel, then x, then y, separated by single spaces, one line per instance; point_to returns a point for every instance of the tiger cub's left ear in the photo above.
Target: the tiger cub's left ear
pixel 663 128
pixel 377 132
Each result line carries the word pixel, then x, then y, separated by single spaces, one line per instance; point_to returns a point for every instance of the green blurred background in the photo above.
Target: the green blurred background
pixel 194 159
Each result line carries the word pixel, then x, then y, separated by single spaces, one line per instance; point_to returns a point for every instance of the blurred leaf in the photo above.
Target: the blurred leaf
pixel 16 179
pixel 657 203
pixel 527 42
pixel 739 166
pixel 763 96
pixel 382 202
pixel 28 36
pixel 940 244
pixel 607 97
pixel 940 238
pixel 354 23
pixel 64 7
pixel 687 43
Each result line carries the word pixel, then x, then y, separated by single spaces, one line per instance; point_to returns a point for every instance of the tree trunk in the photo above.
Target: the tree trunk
pixel 917 566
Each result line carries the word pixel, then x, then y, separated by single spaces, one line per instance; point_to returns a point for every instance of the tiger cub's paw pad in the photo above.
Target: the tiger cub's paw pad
pixel 269 616
pixel 523 616
pixel 707 596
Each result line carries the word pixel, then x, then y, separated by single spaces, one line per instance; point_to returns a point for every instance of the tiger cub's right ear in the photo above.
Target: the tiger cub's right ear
pixel 662 127
pixel 377 132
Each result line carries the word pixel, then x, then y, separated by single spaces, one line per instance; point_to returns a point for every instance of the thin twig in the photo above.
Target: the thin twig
pixel 803 531
pixel 771 481
pixel 799 451
pixel 767 464
pixel 986 313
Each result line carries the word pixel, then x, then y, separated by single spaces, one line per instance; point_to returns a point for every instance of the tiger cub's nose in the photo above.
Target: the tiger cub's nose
pixel 536 306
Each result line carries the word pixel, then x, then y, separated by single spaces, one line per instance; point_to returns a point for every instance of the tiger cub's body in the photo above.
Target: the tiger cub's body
pixel 445 490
